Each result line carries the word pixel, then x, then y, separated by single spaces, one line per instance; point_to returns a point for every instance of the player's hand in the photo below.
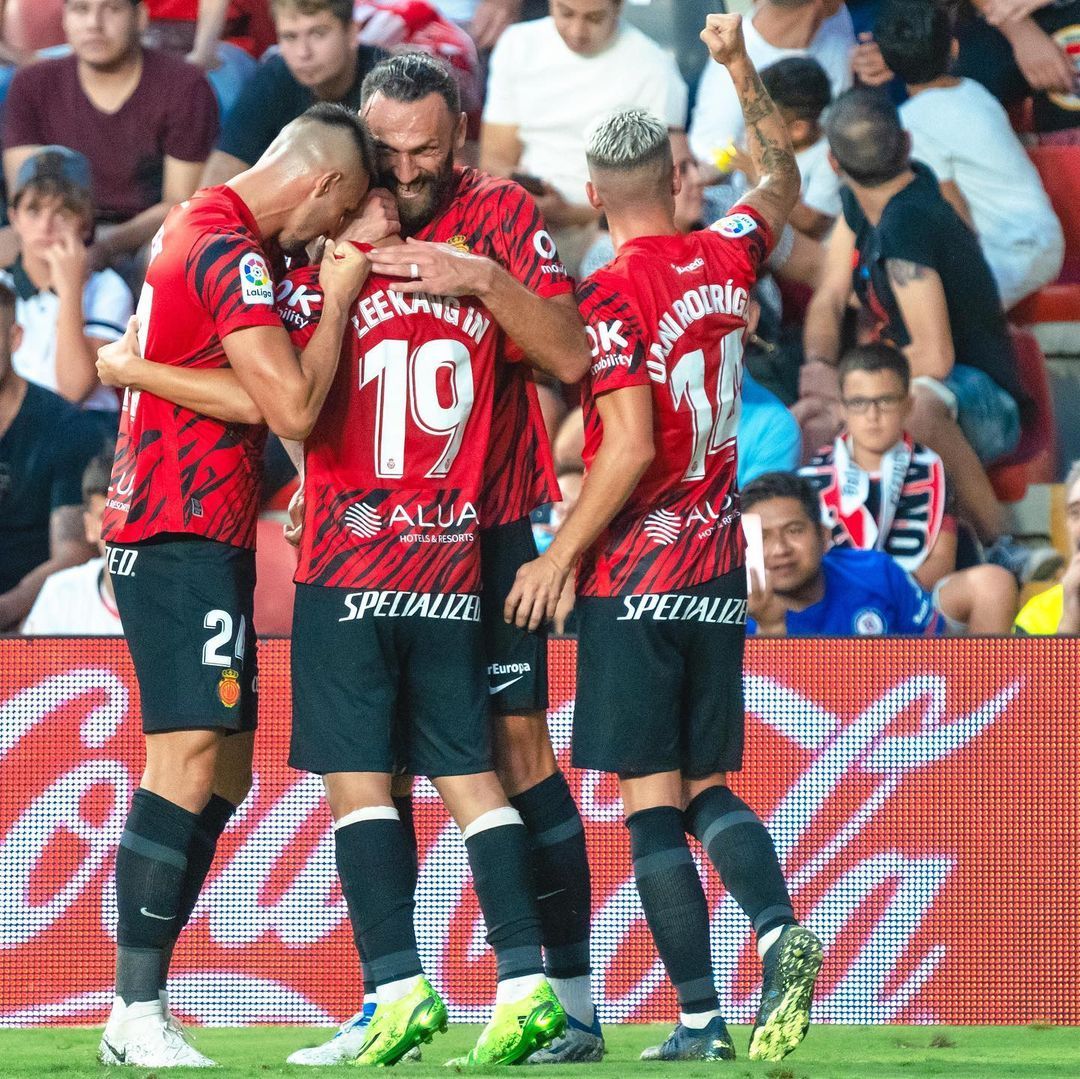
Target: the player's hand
pixel 69 263
pixel 537 590
pixel 377 219
pixel 723 37
pixel 492 17
pixel 118 362
pixel 342 272
pixel 1041 60
pixel 294 529
pixel 439 269
pixel 998 12
pixel 765 607
pixel 867 63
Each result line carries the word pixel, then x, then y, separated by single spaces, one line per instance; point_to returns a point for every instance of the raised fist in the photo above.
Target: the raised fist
pixel 723 36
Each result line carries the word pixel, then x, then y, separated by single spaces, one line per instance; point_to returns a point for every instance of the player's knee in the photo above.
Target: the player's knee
pixel 523 752
pixel 993 582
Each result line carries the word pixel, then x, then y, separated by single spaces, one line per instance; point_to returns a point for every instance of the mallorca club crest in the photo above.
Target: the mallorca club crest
pixel 459 243
pixel 228 688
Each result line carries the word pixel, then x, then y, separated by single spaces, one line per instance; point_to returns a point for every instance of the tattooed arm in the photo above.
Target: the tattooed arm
pixel 920 296
pixel 768 144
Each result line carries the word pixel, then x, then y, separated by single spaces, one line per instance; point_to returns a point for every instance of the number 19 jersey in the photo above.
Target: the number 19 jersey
pixel 395 465
pixel 670 312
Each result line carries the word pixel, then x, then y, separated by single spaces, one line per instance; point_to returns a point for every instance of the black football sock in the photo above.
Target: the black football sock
pixel 404 805
pixel 211 822
pixel 741 849
pixel 151 864
pixel 561 884
pixel 378 881
pixel 674 904
pixel 497 845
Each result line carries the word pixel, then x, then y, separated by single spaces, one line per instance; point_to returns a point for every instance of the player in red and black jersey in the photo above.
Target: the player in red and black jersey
pixel 656 541
pixel 474 234
pixel 180 525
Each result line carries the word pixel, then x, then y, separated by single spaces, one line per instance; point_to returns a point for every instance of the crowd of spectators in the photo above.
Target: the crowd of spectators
pixel 881 383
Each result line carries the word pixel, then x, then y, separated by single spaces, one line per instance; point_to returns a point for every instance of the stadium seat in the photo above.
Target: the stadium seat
pixel 1035 458
pixel 1059 167
pixel 275 564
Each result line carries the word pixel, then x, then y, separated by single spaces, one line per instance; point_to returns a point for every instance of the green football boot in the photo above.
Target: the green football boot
pixel 517 1030
pixel 783 1018
pixel 397 1028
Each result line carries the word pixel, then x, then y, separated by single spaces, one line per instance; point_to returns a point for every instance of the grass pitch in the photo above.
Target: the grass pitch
pixel 829 1052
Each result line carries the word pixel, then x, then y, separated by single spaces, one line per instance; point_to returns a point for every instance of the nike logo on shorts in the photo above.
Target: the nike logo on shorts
pixel 505 685
pixel 160 917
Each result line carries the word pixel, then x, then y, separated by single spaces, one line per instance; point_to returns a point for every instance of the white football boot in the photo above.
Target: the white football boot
pixel 345 1045
pixel 140 1035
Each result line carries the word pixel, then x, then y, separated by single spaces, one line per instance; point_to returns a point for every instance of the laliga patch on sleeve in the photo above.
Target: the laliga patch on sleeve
pixel 255 283
pixel 735 225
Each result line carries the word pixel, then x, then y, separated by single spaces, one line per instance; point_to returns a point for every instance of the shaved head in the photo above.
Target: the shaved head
pixel 866 137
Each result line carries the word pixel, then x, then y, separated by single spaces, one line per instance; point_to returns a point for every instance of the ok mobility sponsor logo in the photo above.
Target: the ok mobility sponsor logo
pixel 497 673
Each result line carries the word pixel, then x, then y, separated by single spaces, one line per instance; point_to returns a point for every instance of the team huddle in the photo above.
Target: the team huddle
pixel 399 366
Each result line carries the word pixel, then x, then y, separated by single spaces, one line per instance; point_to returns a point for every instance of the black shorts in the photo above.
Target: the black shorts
pixel 187 605
pixel 516 659
pixel 378 689
pixel 659 681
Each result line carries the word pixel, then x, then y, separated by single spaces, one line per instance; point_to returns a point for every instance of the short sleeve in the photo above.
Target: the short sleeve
pixel 79 440
pixel 528 250
pixel 193 120
pixel 42 620
pixel 500 106
pixel 915 609
pixel 107 306
pixel 299 304
pixel 258 115
pixel 821 189
pixel 229 277
pixel 22 124
pixel 618 345
pixel 746 236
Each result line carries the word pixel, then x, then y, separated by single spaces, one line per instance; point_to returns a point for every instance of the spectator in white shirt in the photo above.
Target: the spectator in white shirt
pixel 550 79
pixel 777 29
pixel 962 132
pixel 79 602
pixel 66 310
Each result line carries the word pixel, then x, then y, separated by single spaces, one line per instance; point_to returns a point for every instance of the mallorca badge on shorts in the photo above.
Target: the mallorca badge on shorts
pixel 228 688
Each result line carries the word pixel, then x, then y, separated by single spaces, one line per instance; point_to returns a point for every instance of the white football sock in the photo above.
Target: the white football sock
pixel 391 992
pixel 697 1020
pixel 575 995
pixel 511 989
pixel 370 998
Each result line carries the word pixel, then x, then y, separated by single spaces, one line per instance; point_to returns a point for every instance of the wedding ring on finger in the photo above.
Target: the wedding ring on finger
pixel 414 271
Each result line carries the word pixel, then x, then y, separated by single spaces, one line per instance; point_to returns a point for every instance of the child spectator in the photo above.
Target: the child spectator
pixel 66 310
pixel 79 601
pixel 812 591
pixel 144 119
pixel 964 135
pixel 800 89
pixel 880 490
pixel 1057 610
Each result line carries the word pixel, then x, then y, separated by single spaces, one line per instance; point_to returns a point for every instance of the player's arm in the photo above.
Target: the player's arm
pixel 626 451
pixel 549 330
pixel 920 295
pixel 67 547
pixel 289 390
pixel 500 148
pixel 767 139
pixel 825 315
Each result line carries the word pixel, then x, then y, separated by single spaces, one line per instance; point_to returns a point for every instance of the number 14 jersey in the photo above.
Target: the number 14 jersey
pixel 670 312
pixel 395 465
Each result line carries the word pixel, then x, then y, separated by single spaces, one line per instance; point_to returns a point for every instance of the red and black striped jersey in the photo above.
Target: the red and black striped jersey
pixel 669 313
pixel 176 470
pixel 497 218
pixel 394 467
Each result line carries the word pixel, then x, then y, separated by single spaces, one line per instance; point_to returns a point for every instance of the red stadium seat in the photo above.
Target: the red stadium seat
pixel 1059 167
pixel 275 564
pixel 1035 458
